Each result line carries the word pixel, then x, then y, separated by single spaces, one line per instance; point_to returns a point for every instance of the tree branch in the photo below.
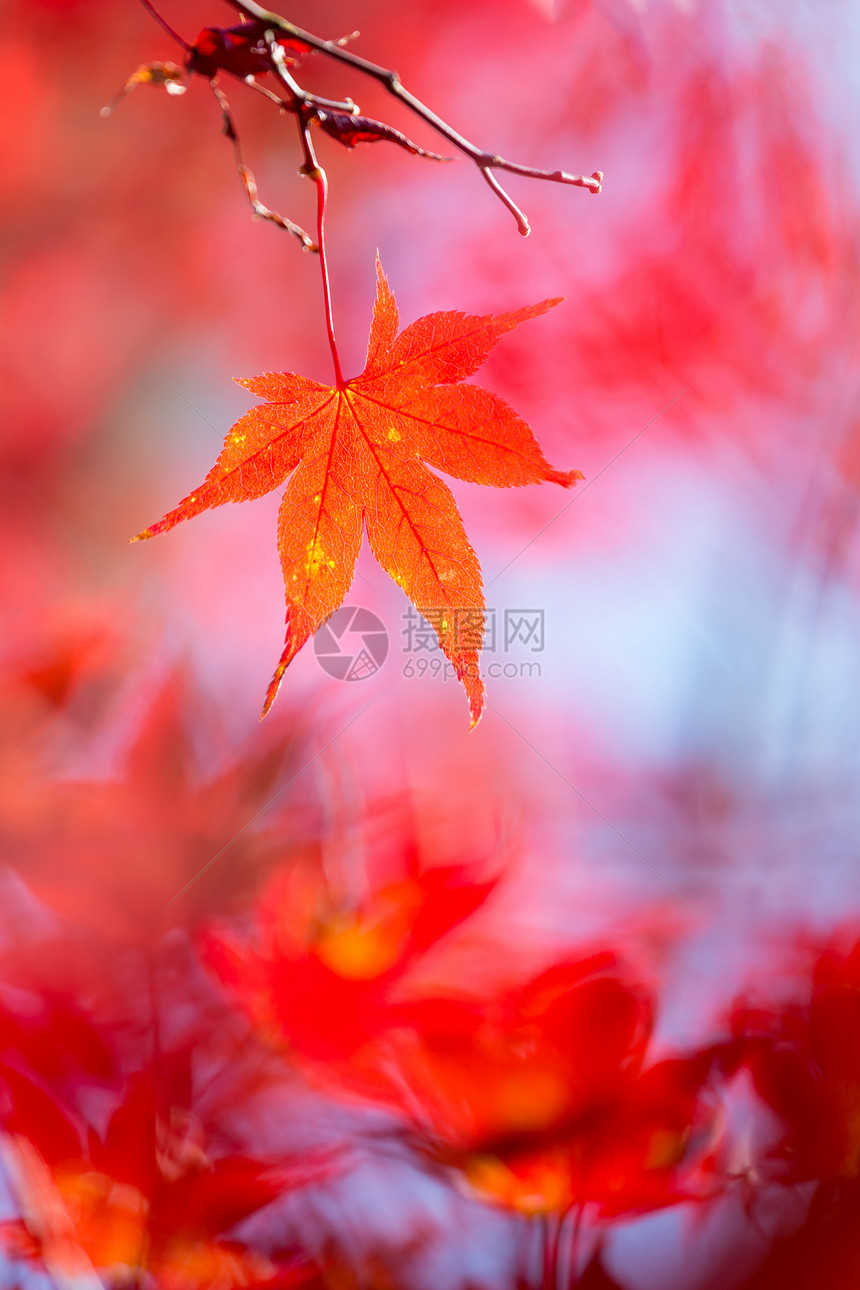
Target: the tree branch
pixel 485 161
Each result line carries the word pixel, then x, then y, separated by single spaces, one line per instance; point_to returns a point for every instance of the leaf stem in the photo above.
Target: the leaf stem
pixel 303 107
pixel 313 170
pixel 165 26
pixel 305 112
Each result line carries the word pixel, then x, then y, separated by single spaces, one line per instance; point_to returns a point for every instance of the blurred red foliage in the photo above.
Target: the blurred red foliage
pixel 240 1046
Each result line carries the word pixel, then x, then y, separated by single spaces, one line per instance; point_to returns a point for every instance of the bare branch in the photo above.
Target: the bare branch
pixel 265 42
pixel 485 161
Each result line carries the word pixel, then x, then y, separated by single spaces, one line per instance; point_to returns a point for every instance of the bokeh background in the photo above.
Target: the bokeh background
pixel 355 998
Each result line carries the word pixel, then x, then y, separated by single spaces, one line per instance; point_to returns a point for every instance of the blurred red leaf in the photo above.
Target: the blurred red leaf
pixel 805 1062
pixel 145 1195
pixel 116 854
pixel 326 974
pixel 32 1113
pixel 543 1101
pixel 824 1251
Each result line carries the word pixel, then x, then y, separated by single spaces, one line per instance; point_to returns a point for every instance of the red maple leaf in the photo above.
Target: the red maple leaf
pixel 355 457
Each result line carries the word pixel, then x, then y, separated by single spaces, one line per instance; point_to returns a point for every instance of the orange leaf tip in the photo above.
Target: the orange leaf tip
pixel 567 478
pixel 275 683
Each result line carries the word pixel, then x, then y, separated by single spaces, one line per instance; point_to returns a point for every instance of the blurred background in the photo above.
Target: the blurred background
pixel 355 998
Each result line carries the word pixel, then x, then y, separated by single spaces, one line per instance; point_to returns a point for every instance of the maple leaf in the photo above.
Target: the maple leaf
pixel 357 456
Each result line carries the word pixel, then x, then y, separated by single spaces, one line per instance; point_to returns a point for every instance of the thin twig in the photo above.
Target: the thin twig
pixel 247 176
pixel 551 1228
pixel 302 97
pixel 507 200
pixel 164 25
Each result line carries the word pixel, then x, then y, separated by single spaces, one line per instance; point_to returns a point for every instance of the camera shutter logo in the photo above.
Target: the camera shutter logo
pixel 352 645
